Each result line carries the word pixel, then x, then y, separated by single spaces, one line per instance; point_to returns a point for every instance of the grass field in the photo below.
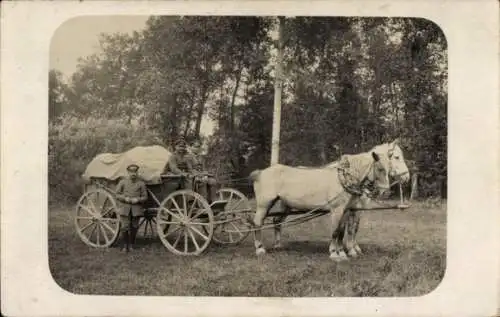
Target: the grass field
pixel 404 255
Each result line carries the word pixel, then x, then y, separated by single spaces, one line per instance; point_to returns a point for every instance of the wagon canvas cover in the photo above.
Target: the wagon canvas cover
pixel 112 166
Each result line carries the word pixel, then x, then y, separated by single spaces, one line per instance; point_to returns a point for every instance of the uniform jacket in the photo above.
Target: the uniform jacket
pixel 131 189
pixel 180 164
pixel 198 163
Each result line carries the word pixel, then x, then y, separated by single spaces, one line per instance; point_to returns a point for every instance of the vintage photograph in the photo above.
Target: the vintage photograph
pixel 248 156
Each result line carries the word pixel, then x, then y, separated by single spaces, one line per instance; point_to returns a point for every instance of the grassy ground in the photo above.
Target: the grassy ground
pixel 404 255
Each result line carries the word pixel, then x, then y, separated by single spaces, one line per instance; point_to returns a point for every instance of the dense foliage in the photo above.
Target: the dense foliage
pixel 349 83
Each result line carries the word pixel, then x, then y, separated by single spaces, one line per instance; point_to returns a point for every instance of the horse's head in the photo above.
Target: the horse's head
pixel 397 169
pixel 378 174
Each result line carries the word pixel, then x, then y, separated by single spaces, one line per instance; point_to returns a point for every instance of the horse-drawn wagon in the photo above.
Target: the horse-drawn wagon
pixel 185 221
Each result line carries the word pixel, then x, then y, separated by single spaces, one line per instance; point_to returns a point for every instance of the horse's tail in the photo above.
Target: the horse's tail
pixel 254 176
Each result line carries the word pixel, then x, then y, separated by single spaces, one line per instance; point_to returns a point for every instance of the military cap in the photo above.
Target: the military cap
pixel 132 168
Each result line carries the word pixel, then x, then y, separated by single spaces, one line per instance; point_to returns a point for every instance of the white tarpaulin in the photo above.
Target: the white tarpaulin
pixel 150 159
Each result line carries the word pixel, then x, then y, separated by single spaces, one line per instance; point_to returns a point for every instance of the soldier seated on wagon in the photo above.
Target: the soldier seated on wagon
pixel 181 163
pixel 189 165
pixel 206 183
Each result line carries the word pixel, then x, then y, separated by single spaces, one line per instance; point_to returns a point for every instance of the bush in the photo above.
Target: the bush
pixel 74 142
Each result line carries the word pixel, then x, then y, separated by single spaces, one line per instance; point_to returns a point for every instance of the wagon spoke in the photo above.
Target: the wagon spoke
pixel 177 206
pixel 199 233
pixel 198 213
pixel 104 234
pixel 192 206
pixel 105 225
pixel 88 225
pixel 162 217
pixel 104 202
pixel 173 231
pixel 141 222
pixel 88 210
pixel 237 229
pixel 107 211
pixel 98 234
pixel 168 222
pixel 93 230
pixel 172 214
pixel 85 217
pixel 200 223
pixel 177 240
pixel 237 204
pixel 92 204
pixel 113 220
pixel 197 246
pixel 185 241
pixel 184 202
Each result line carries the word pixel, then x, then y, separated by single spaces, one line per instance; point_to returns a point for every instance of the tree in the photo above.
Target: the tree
pixel 58 91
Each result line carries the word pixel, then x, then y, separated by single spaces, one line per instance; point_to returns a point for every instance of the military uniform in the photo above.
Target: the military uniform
pixel 130 194
pixel 181 163
pixel 207 184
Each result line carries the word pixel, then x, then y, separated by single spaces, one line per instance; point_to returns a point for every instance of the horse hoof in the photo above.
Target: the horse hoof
pixel 278 246
pixel 342 255
pixel 352 253
pixel 358 250
pixel 338 258
pixel 260 251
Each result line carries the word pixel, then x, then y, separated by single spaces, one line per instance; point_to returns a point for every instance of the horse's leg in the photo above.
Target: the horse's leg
pixel 356 228
pixel 349 232
pixel 277 230
pixel 277 220
pixel 258 220
pixel 340 231
pixel 343 235
pixel 363 202
pixel 336 252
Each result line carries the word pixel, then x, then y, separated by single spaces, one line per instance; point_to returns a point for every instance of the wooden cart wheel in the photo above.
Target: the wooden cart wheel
pixel 233 227
pixel 185 223
pixel 96 218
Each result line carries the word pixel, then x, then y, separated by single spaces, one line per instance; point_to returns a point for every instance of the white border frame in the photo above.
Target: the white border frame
pixel 470 283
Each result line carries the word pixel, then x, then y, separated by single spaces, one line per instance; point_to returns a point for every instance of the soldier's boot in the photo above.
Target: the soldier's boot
pixel 202 190
pixel 125 241
pixel 134 235
pixel 131 238
pixel 212 192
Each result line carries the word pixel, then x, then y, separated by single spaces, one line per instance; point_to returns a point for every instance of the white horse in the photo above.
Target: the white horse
pixel 398 171
pixel 349 224
pixel 316 188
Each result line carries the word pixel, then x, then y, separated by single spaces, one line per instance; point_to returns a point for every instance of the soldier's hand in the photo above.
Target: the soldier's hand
pixel 135 200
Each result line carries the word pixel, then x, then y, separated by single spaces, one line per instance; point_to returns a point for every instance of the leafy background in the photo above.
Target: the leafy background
pixel 349 83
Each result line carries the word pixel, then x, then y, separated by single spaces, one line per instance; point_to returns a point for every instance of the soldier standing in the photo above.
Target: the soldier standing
pixel 131 193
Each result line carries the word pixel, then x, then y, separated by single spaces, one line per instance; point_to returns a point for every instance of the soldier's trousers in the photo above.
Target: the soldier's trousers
pixel 129 228
pixel 129 222
pixel 206 188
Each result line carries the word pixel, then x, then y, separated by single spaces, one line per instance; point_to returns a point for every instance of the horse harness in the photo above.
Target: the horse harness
pixel 353 185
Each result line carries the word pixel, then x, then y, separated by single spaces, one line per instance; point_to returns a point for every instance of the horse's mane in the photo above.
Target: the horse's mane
pixel 355 160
